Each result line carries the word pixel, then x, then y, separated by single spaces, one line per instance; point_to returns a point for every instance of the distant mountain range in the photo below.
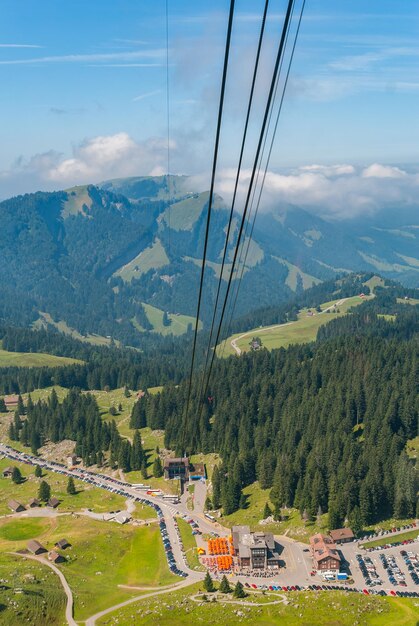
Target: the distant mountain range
pixel 112 259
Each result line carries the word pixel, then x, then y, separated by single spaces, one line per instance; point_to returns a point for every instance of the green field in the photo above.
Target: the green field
pixel 31 594
pixel 412 301
pixel 293 273
pixel 33 359
pixel 45 320
pixel 302 609
pixel 303 330
pixel 98 500
pixel 152 257
pixel 410 534
pixel 102 556
pixel 179 323
pixel 189 544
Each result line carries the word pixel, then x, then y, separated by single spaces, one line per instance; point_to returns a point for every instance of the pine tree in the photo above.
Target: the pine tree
pixel 12 433
pixel 3 407
pixel 137 452
pixel 225 585
pixel 266 511
pixel 208 583
pixel 208 504
pixel 44 491
pixel 144 472
pixel 71 487
pixel 16 475
pixel 20 406
pixel 216 488
pixel 38 471
pixel 239 591
pixel 355 521
pixel 157 468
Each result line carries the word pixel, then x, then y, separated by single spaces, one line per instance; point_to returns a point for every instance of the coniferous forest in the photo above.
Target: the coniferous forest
pixel 323 425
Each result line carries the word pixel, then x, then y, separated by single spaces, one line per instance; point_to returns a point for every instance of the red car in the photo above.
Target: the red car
pixel 392 592
pixel 366 592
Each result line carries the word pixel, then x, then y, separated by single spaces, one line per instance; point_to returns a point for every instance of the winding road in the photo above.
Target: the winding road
pixel 238 351
pixel 69 607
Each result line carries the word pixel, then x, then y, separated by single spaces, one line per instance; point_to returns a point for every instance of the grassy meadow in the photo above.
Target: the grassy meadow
pixel 303 330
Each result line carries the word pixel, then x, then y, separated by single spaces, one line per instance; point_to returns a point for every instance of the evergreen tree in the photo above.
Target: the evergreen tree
pixel 144 472
pixel 44 491
pixel 266 511
pixel 157 468
pixel 208 583
pixel 12 432
pixel 71 487
pixel 3 407
pixel 20 406
pixel 166 319
pixel 355 521
pixel 216 488
pixel 38 471
pixel 208 504
pixel 225 585
pixel 239 591
pixel 137 453
pixel 16 475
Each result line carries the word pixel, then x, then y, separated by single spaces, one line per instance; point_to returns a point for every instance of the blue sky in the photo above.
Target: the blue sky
pixel 83 87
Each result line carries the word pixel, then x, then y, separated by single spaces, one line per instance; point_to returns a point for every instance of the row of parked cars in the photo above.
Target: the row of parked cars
pixel 368 570
pixel 103 481
pixel 392 544
pixel 394 573
pixel 382 533
pixel 411 560
pixel 367 592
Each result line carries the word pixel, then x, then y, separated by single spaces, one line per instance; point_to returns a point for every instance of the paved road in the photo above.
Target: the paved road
pixel 238 351
pixel 68 592
pixel 105 482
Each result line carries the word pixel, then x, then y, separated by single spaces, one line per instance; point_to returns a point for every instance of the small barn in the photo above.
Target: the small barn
pixel 53 502
pixel 35 547
pixel 15 506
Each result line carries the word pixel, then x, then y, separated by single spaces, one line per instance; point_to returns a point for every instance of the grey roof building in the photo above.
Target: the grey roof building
pixel 255 550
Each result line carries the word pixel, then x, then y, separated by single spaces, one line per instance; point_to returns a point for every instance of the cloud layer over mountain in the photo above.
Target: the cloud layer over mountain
pixel 336 191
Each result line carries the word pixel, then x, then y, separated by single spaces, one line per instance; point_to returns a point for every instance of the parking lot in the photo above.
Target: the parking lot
pixel 395 568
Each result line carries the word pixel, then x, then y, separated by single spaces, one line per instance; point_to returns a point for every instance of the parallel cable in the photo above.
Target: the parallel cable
pixel 236 184
pixel 168 127
pixel 266 166
pixel 255 164
pixel 211 193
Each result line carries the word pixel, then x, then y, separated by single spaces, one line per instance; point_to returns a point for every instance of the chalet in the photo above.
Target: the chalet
pixel 32 504
pixel 7 472
pixel 324 553
pixel 342 535
pixel 35 547
pixel 55 557
pixel 176 468
pixel 62 544
pixel 15 506
pixel 11 402
pixel 255 550
pixel 53 502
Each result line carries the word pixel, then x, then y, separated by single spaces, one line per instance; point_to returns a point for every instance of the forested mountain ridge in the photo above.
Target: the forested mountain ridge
pixel 92 255
pixel 323 425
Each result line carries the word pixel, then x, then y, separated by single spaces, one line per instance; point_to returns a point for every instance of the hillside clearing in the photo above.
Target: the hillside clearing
pixel 153 257
pixel 303 330
pixel 179 323
pixel 34 359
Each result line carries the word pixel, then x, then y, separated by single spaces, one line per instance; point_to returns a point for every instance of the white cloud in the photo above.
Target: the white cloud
pixel 142 96
pixel 106 156
pixel 334 191
pixel 156 53
pixel 18 45
pixel 382 171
